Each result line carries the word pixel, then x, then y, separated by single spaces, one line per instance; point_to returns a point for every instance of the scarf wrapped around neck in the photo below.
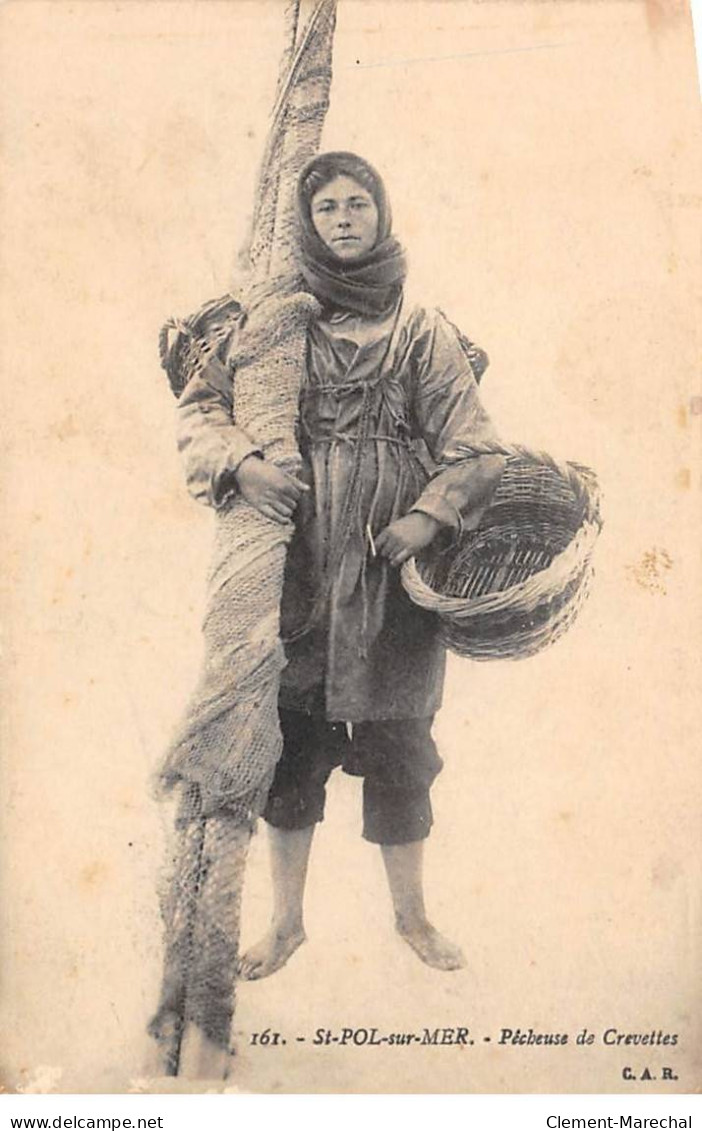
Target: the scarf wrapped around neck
pixel 369 285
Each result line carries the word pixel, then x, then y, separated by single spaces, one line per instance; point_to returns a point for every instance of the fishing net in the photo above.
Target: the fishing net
pixel 224 753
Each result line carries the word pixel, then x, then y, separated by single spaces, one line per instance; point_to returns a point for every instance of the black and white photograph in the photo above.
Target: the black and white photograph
pixel 351 575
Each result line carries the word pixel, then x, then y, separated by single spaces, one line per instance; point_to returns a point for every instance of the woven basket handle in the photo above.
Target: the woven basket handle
pixel 582 480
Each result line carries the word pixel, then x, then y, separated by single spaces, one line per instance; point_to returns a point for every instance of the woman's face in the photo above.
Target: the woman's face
pixel 345 217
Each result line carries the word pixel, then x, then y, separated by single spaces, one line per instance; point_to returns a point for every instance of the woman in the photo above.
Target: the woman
pixel 388 412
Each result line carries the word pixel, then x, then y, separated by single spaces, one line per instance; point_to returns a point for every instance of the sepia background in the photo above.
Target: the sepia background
pixel 542 159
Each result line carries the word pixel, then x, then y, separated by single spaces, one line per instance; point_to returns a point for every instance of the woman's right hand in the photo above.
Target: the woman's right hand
pixel 271 491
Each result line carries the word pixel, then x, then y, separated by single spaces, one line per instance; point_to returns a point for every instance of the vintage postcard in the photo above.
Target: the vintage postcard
pixel 351 546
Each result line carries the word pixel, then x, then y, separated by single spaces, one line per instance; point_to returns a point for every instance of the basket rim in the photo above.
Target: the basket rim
pixel 519 643
pixel 526 595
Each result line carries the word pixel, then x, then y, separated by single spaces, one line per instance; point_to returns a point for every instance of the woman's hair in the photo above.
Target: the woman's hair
pixel 325 168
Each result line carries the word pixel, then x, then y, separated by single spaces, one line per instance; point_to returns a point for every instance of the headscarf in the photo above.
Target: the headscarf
pixel 370 284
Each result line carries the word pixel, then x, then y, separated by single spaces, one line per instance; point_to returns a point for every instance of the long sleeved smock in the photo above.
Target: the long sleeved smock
pixel 389 411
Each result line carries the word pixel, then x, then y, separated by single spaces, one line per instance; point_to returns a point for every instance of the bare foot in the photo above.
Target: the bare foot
pixel 271 953
pixel 430 945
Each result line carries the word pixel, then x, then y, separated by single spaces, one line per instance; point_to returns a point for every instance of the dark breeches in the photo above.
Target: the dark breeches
pixel 396 758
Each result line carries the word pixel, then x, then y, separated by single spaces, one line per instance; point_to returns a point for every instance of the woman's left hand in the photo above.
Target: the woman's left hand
pixel 406 536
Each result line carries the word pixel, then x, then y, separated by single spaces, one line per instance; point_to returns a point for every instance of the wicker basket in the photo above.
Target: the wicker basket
pixel 515 584
pixel 186 344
